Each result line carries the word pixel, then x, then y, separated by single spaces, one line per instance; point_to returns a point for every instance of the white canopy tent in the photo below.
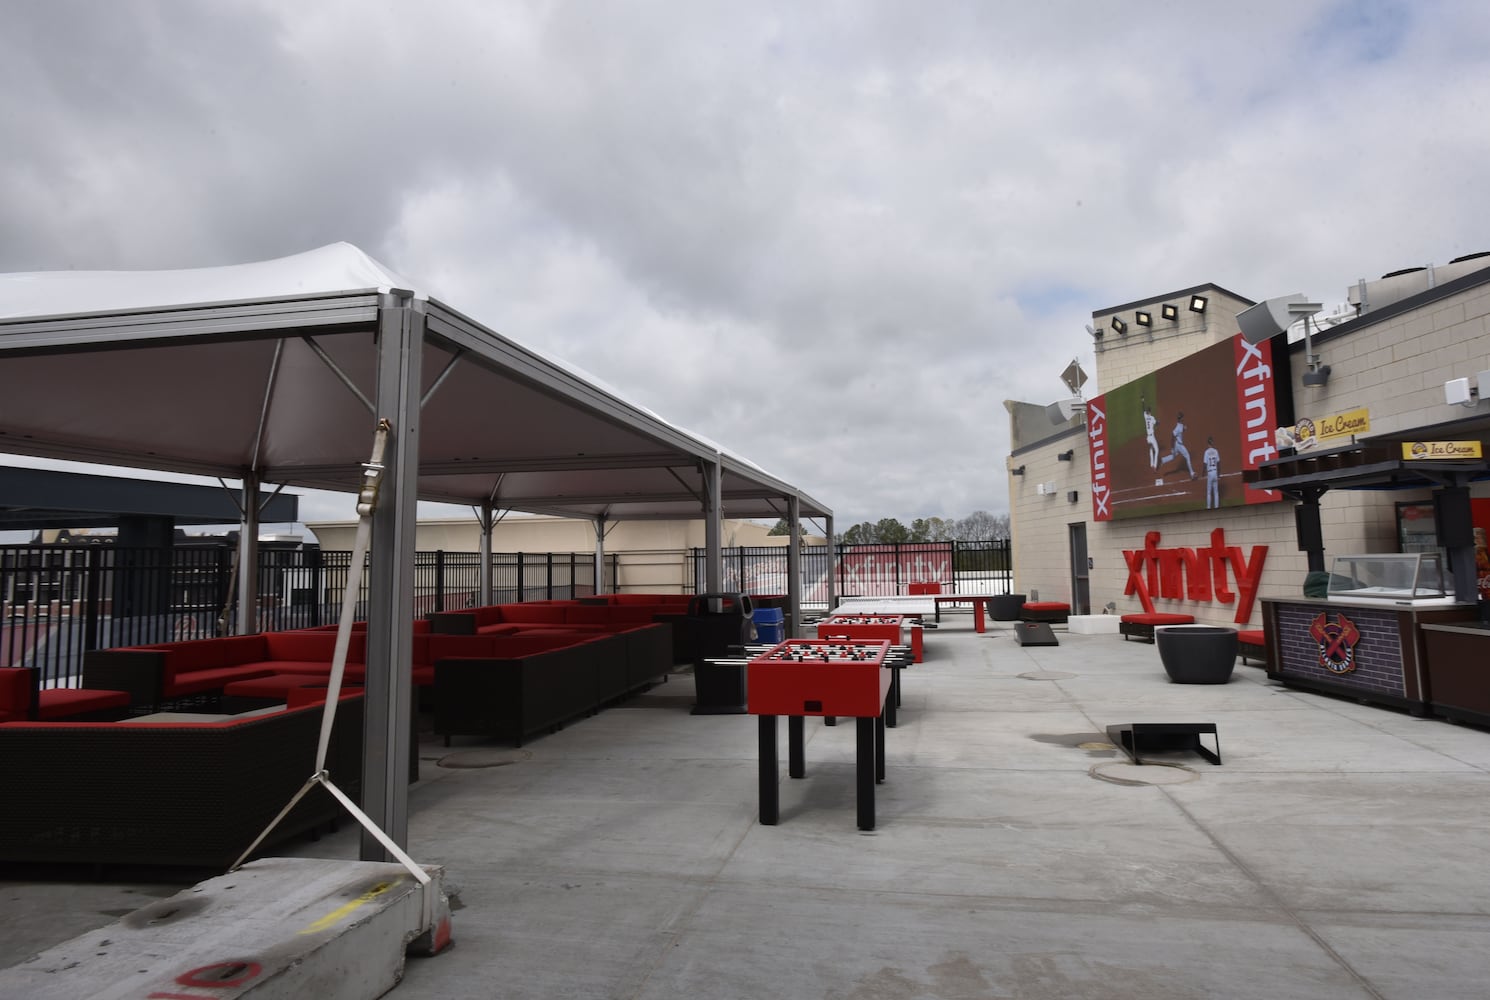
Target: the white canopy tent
pixel 278 373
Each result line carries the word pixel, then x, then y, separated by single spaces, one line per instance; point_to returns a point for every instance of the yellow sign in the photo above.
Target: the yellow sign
pixel 1347 423
pixel 1440 450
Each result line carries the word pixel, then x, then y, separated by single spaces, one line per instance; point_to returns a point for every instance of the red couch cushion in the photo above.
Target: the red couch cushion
pixel 1157 619
pixel 535 613
pixel 199 681
pixel 1252 637
pixel 1046 606
pixel 59 703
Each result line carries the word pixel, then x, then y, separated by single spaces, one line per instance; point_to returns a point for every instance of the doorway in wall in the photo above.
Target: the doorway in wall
pixel 1081 587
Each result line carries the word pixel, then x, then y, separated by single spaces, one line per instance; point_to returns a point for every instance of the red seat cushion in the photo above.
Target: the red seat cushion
pixel 59 703
pixel 1158 619
pixel 1251 637
pixel 1046 606
pixel 273 686
pixel 211 680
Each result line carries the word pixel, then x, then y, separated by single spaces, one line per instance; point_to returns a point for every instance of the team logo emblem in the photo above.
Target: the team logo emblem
pixel 1337 640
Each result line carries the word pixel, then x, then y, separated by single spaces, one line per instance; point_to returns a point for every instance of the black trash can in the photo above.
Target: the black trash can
pixel 714 624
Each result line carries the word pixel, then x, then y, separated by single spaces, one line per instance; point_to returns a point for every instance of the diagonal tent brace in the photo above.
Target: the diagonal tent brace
pixel 367 502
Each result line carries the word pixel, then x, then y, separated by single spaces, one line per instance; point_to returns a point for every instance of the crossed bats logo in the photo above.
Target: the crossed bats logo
pixel 1337 642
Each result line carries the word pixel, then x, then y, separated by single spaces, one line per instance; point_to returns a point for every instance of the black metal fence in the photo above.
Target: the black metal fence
pixel 59 601
pixel 875 570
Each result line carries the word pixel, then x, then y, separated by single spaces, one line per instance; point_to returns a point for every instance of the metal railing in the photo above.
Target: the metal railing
pixel 57 602
pixel 874 570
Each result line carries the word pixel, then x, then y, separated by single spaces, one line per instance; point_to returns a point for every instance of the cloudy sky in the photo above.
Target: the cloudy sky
pixel 833 237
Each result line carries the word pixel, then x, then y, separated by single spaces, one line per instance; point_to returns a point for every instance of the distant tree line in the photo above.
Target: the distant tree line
pixel 976 527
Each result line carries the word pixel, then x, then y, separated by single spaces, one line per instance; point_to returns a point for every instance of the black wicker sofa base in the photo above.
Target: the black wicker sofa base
pixel 515 697
pixel 188 794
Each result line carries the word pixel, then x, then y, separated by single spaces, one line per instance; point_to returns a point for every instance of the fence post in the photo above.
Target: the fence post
pixel 91 598
pixel 439 579
pixel 522 580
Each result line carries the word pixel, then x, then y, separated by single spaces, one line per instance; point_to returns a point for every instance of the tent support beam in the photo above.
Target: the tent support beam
pixel 832 562
pixel 388 750
pixel 794 561
pixel 248 557
pixel 713 528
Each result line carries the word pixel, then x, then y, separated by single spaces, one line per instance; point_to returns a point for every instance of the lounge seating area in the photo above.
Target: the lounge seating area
pixel 1141 625
pixel 169 792
pixel 505 683
pixel 195 745
pixel 694 633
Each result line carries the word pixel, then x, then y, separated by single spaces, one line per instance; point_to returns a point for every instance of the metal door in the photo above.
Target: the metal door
pixel 1081 588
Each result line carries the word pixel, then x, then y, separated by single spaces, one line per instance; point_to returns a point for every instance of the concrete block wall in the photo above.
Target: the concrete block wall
pixel 1395 367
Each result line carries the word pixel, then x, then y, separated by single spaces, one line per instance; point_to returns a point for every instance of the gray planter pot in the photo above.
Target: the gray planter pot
pixel 1197 654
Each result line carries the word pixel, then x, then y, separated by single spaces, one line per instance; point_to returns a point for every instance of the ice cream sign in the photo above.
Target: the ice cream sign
pixel 1341 424
pixel 1415 451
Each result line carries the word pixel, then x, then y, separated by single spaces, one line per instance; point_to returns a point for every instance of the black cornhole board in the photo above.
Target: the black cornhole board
pixel 1137 738
pixel 1035 634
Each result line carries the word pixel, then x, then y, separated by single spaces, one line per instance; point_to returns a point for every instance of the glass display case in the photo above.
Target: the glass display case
pixel 1404 579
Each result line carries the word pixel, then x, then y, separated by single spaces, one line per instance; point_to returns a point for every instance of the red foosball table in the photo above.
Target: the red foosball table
pixel 891 628
pixel 815 677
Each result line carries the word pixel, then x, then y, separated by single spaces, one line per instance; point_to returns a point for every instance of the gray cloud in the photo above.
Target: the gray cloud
pixel 831 237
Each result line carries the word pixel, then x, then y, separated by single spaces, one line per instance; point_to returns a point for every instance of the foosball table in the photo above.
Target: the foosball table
pixel 891 628
pixel 828 678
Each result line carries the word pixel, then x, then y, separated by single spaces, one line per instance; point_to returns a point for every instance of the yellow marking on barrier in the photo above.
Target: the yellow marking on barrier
pixel 336 915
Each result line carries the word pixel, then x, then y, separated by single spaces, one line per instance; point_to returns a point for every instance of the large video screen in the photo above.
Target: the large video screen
pixel 1179 438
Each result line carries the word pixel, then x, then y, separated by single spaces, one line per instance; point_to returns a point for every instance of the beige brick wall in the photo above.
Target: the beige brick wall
pixel 1396 368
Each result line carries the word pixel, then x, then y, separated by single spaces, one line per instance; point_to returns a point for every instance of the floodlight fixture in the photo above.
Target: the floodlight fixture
pixel 1119 327
pixel 1170 312
pixel 1198 303
pixel 1066 455
pixel 1143 318
pixel 1017 471
pixel 1063 410
pixel 1271 317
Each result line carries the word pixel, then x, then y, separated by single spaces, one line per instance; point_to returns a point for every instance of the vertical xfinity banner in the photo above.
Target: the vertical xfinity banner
pixel 1180 438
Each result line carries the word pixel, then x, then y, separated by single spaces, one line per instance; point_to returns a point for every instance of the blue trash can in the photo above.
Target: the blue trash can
pixel 770 625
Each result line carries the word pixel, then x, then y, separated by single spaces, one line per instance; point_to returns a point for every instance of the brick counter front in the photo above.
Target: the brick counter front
pixel 1389 655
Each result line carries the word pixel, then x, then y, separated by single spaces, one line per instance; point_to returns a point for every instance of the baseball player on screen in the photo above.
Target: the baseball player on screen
pixel 1179 450
pixel 1149 423
pixel 1212 462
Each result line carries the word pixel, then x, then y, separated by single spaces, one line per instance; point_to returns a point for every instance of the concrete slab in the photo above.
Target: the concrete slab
pixel 1093 624
pixel 276 928
pixel 1334 855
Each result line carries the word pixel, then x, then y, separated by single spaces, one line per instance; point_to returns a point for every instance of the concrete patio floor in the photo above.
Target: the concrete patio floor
pixel 1340 851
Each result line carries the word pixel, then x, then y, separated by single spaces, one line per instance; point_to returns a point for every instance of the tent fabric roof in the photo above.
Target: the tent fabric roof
pixel 332 268
pixel 269 368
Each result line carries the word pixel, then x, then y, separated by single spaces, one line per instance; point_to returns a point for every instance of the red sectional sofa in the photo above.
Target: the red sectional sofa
pixel 534 682
pixel 192 794
pixel 535 679
pixel 164 672
pixel 22 698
